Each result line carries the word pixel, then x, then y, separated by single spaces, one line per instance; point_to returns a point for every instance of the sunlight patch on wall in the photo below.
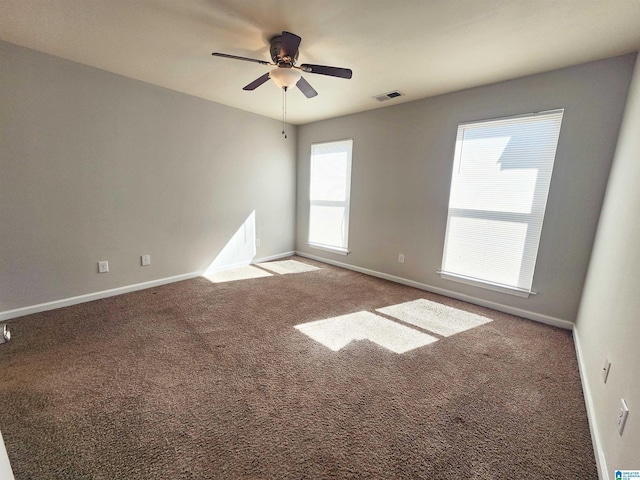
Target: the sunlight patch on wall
pixel 239 250
pixel 435 317
pixel 337 332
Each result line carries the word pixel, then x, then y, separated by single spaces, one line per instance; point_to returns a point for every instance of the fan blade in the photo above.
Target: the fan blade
pixel 305 88
pixel 290 44
pixel 257 82
pixel 325 70
pixel 235 57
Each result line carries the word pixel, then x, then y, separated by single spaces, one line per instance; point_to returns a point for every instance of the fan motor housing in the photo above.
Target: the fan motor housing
pixel 276 45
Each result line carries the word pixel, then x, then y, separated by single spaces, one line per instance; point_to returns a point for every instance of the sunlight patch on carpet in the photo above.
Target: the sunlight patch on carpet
pixel 240 273
pixel 337 332
pixel 287 266
pixel 435 317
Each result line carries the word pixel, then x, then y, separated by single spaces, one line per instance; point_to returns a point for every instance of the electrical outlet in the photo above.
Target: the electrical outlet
pixel 145 260
pixel 257 242
pixel 103 266
pixel 401 258
pixel 623 413
pixel 605 369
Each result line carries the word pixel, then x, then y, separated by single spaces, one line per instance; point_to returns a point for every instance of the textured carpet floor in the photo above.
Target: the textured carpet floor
pixel 212 381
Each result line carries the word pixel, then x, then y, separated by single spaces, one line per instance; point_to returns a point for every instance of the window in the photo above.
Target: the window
pixel 501 175
pixel 329 190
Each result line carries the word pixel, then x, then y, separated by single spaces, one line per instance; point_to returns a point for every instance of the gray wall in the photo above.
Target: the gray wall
pixel 402 160
pixel 609 318
pixel 95 166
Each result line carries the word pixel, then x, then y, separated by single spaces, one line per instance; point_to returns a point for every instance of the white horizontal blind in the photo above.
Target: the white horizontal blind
pixel 329 194
pixel 501 175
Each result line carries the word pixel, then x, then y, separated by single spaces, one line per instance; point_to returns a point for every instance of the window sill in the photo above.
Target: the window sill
pixel 327 248
pixel 518 292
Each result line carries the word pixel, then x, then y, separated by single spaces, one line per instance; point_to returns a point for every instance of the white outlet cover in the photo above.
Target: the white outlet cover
pixel 401 258
pixel 623 413
pixel 145 260
pixel 103 266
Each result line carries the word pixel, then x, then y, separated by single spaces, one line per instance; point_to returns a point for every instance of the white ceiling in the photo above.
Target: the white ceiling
pixel 420 47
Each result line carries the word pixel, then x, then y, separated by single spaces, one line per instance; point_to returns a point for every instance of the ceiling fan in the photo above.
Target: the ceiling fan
pixel 284 53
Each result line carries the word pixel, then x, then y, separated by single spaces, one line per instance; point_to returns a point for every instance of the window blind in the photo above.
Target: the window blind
pixel 329 195
pixel 501 175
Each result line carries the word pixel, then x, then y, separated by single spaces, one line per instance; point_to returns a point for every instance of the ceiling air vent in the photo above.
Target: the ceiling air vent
pixel 387 96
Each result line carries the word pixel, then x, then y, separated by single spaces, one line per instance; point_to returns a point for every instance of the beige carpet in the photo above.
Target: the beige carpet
pixel 201 380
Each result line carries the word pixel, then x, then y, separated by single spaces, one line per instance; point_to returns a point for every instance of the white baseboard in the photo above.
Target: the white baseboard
pixel 5 466
pixel 601 461
pixel 556 322
pixel 65 302
pixel 223 268
pixel 273 257
pixel 244 263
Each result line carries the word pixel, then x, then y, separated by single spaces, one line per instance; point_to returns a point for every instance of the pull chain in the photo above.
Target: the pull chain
pixel 284 111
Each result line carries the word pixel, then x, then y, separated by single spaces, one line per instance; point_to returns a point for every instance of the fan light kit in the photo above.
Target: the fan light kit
pixel 284 53
pixel 285 77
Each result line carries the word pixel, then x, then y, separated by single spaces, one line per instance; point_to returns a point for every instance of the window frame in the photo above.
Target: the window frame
pixel 346 203
pixel 534 216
